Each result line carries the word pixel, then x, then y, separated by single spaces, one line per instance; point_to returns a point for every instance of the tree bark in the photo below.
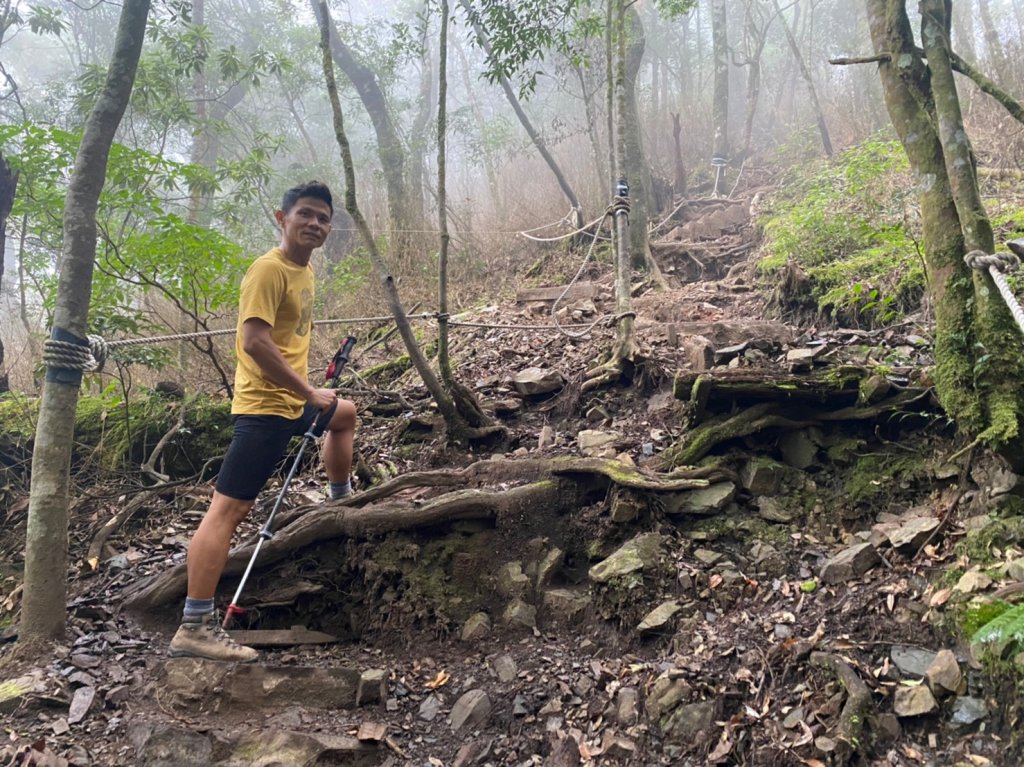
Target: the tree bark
pixel 389 144
pixel 45 589
pixel 805 73
pixel 8 186
pixel 720 95
pixel 996 56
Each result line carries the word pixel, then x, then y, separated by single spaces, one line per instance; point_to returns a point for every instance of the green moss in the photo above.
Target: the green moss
pixel 877 474
pixel 1000 533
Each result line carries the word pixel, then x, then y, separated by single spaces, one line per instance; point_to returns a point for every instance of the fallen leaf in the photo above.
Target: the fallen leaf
pixel 715 581
pixel 722 750
pixel 940 597
pixel 442 678
pixel 813 763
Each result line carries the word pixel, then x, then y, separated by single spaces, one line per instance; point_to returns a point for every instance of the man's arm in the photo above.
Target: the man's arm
pixel 258 344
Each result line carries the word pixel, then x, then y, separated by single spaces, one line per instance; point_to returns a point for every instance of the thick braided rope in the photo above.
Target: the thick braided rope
pixel 997 263
pixel 72 356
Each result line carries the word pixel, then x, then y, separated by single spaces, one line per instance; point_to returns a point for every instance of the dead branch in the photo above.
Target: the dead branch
pixel 847 60
pixel 149 467
pixel 857 708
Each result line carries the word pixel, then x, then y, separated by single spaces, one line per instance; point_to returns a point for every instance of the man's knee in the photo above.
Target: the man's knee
pixel 229 510
pixel 344 418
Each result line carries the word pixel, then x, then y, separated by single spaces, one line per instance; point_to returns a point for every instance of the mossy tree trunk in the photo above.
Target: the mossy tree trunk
pixel 8 185
pixel 977 348
pixel 720 95
pixel 46 538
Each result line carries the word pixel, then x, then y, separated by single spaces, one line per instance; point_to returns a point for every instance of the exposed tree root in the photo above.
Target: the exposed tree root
pixel 855 712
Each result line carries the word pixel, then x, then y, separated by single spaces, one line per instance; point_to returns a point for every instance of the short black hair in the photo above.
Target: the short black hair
pixel 316 189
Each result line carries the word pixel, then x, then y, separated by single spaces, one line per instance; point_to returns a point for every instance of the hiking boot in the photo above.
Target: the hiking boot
pixel 203 637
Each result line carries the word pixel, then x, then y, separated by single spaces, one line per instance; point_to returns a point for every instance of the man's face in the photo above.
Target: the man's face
pixel 307 224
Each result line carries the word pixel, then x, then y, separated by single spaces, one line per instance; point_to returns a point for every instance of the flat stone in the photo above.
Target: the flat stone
pixel 971 581
pixel 849 564
pixel 546 438
pixel 512 581
pixel 519 613
pixel 278 748
pixel 913 701
pixel 535 381
pixel 626 507
pixel 703 501
pixel 775 510
pixel 727 353
pixel 373 687
pixel 160 745
pixel 1015 569
pixel 592 441
pixel 430 707
pixel 565 604
pixel 505 668
pixel 707 557
pixel 700 353
pixel 761 477
pixel 659 617
pixel 967 710
pixel 798 449
pixel 666 694
pixel 874 389
pixel 470 711
pixel 689 721
pixel 477 626
pixel 643 551
pixel 549 565
pixel 913 533
pixel 255 686
pixel 626 711
pixel 912 661
pixel 944 675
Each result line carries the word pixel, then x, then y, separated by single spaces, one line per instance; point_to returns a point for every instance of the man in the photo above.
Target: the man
pixel 273 402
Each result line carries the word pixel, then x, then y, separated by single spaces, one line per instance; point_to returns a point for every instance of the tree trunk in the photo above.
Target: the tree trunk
pixel 963 27
pixel 417 143
pixel 720 95
pixel 497 198
pixel 805 73
pixel 996 56
pixel 535 137
pixel 637 169
pixel 443 362
pixel 45 589
pixel 459 430
pixel 8 185
pixel 389 144
pixel 679 180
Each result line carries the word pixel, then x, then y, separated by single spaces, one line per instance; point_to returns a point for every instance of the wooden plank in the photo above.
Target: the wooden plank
pixel 281 637
pixel 576 291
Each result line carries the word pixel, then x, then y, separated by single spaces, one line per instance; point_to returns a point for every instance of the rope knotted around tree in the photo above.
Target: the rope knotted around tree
pixel 68 355
pixel 996 264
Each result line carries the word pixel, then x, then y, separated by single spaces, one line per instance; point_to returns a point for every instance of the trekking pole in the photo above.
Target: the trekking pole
pixel 316 428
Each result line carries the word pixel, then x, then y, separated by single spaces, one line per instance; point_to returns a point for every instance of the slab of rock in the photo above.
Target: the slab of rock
pixel 912 534
pixel 912 661
pixel 626 507
pixel 703 501
pixel 430 708
pixel 659 617
pixel 519 613
pixel 700 353
pixel 160 745
pixel 798 449
pixel 913 701
pixel 626 711
pixel 505 668
pixel 278 748
pixel 849 564
pixel 944 675
pixel 593 441
pixel 967 711
pixel 255 686
pixel 548 566
pixel 512 581
pixel 688 722
pixel 565 604
pixel 546 438
pixel 643 551
pixel 775 510
pixel 373 687
pixel 667 693
pixel 477 626
pixel 469 711
pixel 761 477
pixel 536 381
pixel 971 581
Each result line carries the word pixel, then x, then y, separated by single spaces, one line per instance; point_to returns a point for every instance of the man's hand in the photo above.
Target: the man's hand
pixel 322 398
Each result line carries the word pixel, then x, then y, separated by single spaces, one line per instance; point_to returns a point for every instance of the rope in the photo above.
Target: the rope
pixel 567 218
pixel 583 228
pixel 997 263
pixel 67 355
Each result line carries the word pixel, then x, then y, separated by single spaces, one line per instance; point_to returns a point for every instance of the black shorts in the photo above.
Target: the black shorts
pixel 258 443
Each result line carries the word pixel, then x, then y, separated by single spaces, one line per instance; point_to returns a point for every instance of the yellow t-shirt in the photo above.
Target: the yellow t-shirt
pixel 279 292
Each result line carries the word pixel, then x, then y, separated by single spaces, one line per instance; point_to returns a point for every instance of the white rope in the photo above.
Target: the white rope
pixel 583 228
pixel 996 264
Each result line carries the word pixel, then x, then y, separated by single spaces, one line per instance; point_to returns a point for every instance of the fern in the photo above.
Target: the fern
pixel 1005 628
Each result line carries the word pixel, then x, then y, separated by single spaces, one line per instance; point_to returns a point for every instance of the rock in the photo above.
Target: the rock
pixel 549 565
pixel 536 381
pixel 519 613
pixel 727 353
pixel 626 507
pixel 688 722
pixel 666 694
pixel 912 534
pixel 626 711
pixel 373 687
pixel 546 438
pixel 913 701
pixel 617 747
pixel 1015 569
pixel 967 711
pixel 701 502
pixel 912 661
pixel 591 442
pixel 707 557
pixel 565 752
pixel 874 389
pixel 944 675
pixel 512 581
pixel 849 564
pixel 889 728
pixel 700 353
pixel 470 711
pixel 643 551
pixel 254 685
pixel 14 692
pixel 477 626
pixel 278 748
pixel 793 718
pixel 798 449
pixel 659 617
pixel 774 510
pixel 505 668
pixel 971 581
pixel 565 604
pixel 80 703
pixel 159 745
pixel 430 708
pixel 767 559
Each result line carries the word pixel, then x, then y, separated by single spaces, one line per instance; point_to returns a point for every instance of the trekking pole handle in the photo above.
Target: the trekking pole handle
pixel 340 359
pixel 319 426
